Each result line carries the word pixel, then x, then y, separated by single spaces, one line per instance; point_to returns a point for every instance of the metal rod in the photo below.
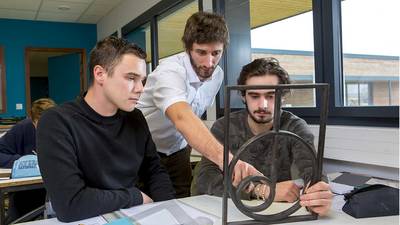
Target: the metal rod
pixel 154 43
pixel 277 110
pixel 322 129
pixel 279 87
pixel 227 100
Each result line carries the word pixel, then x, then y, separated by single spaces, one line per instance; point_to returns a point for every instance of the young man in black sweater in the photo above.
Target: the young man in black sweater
pixel 93 151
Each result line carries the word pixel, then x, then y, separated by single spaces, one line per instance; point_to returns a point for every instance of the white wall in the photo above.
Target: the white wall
pixel 125 12
pixel 369 145
pixel 366 150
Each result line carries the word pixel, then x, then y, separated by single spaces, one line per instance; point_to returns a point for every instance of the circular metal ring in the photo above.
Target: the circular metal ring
pixel 267 201
pixel 235 193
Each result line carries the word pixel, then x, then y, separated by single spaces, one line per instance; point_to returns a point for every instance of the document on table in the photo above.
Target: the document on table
pixel 92 221
pixel 98 220
pixel 170 212
pixel 340 188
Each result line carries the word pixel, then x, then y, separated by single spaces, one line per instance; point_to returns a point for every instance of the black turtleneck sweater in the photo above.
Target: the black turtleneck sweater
pixel 91 164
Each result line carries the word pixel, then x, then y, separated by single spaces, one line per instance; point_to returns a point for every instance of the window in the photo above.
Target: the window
pixel 284 30
pixel 358 94
pixel 2 82
pixel 370 52
pixel 171 25
pixel 159 30
pixel 335 42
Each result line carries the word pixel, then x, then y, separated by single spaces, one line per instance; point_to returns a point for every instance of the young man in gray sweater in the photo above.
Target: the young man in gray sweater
pixel 256 119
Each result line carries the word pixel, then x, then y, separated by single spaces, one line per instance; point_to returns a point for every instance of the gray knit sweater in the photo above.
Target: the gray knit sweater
pixel 294 159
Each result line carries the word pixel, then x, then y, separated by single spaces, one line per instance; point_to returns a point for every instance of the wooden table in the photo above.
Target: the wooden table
pixel 5 173
pixel 4 128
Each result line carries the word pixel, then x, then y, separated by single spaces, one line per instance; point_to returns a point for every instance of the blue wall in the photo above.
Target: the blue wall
pixel 16 35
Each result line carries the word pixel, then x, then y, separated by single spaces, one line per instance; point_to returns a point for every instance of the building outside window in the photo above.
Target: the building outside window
pixel 284 30
pixel 370 52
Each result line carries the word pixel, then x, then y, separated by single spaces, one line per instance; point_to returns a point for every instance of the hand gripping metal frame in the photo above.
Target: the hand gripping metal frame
pixel 229 190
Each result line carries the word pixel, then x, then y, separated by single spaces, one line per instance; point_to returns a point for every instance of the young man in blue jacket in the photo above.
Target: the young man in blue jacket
pixel 20 140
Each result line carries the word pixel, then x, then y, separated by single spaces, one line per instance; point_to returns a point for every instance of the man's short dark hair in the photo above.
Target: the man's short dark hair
pixel 204 28
pixel 261 67
pixel 109 52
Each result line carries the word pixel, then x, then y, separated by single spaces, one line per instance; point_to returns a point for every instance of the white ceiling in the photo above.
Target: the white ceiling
pixel 75 11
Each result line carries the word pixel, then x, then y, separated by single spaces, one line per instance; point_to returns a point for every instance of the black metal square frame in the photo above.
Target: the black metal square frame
pixel 228 169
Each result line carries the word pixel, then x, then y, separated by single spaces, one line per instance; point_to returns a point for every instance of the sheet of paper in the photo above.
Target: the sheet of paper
pixel 173 212
pixel 340 188
pixel 138 209
pixel 337 203
pixel 164 215
pixel 98 220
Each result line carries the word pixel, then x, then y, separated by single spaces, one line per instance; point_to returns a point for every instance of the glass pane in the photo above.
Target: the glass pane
pixel 141 37
pixel 170 29
pixel 371 51
pixel 352 94
pixel 284 30
pixel 364 94
pixel 2 81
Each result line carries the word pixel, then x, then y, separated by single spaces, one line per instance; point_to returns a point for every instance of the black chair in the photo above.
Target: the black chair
pixel 34 214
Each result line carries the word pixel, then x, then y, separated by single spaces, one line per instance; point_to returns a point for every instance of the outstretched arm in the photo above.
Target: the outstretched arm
pixel 200 138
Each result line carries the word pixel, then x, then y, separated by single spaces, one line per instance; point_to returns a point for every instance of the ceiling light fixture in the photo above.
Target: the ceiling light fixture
pixel 63 7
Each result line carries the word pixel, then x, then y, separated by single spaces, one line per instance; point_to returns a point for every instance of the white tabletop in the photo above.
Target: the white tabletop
pixel 213 205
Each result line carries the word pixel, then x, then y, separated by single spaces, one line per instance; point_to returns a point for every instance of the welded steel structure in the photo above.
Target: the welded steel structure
pixel 234 193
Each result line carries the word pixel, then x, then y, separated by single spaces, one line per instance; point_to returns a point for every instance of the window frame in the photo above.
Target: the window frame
pixel 328 66
pixel 151 16
pixel 3 81
pixel 329 58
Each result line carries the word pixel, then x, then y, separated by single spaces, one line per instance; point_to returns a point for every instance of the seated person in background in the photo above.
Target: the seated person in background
pixel 93 151
pixel 20 140
pixel 258 118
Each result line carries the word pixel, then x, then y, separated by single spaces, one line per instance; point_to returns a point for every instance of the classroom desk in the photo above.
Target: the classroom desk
pixel 213 205
pixel 4 128
pixel 5 173
pixel 13 185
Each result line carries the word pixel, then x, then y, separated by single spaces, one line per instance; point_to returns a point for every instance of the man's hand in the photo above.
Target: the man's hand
pixel 242 170
pixel 146 198
pixel 317 198
pixel 286 191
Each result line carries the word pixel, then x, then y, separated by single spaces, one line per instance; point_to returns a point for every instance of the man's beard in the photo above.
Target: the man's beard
pixel 202 72
pixel 259 120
